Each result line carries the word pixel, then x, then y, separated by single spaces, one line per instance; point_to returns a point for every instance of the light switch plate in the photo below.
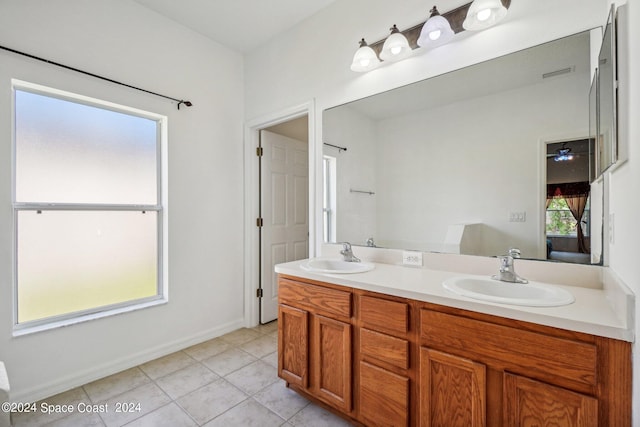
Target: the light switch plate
pixel 517 216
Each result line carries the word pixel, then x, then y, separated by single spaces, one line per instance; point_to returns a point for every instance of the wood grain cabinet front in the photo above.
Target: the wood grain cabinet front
pixel 315 341
pixel 380 360
pixel 384 361
pixel 532 403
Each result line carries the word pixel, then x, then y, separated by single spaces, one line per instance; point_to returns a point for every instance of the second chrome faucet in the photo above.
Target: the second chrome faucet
pixel 347 253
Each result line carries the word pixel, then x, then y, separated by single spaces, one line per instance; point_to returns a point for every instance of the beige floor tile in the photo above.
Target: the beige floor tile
pixel 208 349
pixel 167 364
pixel 260 347
pixel 136 403
pixel 280 399
pixel 253 377
pixel 315 416
pixel 116 384
pixel 170 415
pixel 79 420
pixel 186 380
pixel 240 336
pixel 271 359
pixel 229 361
pixel 38 418
pixel 247 414
pixel 267 328
pixel 211 400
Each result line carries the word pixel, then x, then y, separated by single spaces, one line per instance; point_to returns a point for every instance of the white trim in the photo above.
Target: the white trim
pixel 52 388
pixel 78 317
pixel 82 99
pixel 251 249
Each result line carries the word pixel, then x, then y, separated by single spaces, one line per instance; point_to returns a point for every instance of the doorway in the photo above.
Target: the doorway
pixel 567 208
pixel 283 204
pixel 252 253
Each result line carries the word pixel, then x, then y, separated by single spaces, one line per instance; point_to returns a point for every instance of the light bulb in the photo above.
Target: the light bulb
pixel 396 46
pixel 365 59
pixel 435 32
pixel 483 15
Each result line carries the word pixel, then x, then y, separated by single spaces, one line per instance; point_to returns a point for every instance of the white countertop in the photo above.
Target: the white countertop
pixel 593 311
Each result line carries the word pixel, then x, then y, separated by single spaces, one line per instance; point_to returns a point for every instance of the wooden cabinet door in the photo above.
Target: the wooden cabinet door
pixel 384 397
pixel 293 345
pixel 532 403
pixel 452 391
pixel 331 359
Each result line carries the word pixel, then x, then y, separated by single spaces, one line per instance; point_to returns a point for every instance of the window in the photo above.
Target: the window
pixel 88 207
pixel 560 221
pixel 329 200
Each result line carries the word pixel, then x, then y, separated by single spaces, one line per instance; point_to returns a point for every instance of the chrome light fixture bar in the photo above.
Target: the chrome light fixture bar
pixel 455 18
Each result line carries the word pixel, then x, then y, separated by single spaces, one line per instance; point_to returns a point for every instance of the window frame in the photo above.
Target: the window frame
pixel 329 208
pixel 586 214
pixel 160 207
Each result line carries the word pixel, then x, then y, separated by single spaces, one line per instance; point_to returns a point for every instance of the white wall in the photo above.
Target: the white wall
pixel 124 41
pixel 312 61
pixel 475 161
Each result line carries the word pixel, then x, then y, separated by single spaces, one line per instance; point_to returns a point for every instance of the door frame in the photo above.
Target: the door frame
pixel 543 142
pixel 251 193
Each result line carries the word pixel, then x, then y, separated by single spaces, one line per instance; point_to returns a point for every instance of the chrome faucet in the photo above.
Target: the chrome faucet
pixel 514 252
pixel 507 272
pixel 347 253
pixel 371 243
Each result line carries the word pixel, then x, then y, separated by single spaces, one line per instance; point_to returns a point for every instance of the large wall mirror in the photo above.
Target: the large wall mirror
pixel 463 162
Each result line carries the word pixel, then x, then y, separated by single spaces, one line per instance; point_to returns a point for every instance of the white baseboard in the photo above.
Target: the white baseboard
pixel 78 379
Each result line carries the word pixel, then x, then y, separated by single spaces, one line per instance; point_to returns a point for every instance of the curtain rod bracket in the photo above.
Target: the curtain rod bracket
pixel 186 103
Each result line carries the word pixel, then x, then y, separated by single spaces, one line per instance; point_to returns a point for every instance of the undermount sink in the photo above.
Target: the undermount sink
pixel 336 266
pixel 531 294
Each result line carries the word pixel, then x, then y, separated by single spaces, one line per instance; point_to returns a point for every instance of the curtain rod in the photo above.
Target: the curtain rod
pixel 335 146
pixel 179 101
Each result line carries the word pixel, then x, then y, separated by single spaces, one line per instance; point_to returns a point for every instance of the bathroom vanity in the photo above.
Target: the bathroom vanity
pixel 392 347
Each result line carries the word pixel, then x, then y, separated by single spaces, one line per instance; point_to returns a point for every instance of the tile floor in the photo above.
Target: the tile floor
pixel 228 381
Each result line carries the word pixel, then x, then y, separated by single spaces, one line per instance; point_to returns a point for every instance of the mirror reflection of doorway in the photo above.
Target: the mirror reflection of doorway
pixel 567 225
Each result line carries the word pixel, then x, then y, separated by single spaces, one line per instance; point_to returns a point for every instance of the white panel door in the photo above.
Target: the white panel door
pixel 285 211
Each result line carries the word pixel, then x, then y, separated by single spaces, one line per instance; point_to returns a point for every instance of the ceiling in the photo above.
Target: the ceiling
pixel 241 25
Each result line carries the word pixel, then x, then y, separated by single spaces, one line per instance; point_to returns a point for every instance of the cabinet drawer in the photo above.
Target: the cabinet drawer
pixel 321 300
pixel 384 348
pixel 529 353
pixel 384 315
pixel 384 397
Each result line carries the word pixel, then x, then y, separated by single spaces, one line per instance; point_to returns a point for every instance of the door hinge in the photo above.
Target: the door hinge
pixel 259 151
pixel 259 293
pixel 259 222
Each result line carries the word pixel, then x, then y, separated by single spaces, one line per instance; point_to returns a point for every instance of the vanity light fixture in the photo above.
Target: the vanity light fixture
pixel 396 46
pixel 365 58
pixel 484 14
pixel 436 31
